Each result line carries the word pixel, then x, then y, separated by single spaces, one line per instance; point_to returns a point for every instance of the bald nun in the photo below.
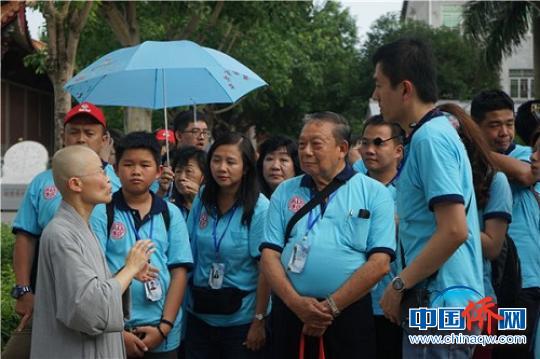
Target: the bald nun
pixel 78 307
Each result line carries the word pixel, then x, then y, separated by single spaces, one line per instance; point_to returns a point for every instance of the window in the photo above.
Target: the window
pixel 451 15
pixel 521 83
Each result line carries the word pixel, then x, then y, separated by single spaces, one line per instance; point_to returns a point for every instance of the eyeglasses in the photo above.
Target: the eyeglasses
pixel 377 141
pixel 197 132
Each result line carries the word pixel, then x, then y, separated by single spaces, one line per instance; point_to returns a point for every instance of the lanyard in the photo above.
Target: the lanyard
pixel 427 117
pixel 132 224
pixel 217 242
pixel 311 221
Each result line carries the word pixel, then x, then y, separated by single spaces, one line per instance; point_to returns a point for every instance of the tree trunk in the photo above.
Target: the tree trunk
pixel 137 119
pixel 62 104
pixel 536 55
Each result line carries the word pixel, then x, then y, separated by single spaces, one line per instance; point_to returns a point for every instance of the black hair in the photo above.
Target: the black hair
pixel 487 101
pixel 270 145
pixel 186 153
pixel 409 59
pixel 184 118
pixel 249 191
pixel 396 130
pixel 138 140
pixel 478 152
pixel 115 134
pixel 526 120
pixel 341 131
pixel 534 137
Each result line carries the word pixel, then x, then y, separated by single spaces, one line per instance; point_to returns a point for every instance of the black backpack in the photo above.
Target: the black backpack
pixel 506 274
pixel 110 217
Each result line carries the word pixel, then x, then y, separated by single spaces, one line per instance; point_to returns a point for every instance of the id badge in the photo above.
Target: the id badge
pixel 298 257
pixel 153 290
pixel 215 278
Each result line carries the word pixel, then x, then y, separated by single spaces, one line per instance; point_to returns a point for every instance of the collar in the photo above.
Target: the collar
pixel 158 204
pixel 104 164
pixel 343 176
pixel 510 149
pixel 427 117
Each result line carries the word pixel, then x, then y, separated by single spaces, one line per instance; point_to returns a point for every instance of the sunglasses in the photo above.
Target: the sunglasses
pixel 377 141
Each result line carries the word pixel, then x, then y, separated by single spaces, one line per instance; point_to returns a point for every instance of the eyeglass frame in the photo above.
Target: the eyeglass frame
pixel 377 141
pixel 197 132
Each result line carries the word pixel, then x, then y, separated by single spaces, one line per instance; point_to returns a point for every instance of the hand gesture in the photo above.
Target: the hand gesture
pixel 148 273
pixel 165 180
pixel 139 255
pixel 256 336
pixel 312 312
pixel 135 347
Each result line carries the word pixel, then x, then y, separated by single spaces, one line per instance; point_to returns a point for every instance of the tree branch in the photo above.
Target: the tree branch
pixel 190 27
pixel 213 20
pixel 117 22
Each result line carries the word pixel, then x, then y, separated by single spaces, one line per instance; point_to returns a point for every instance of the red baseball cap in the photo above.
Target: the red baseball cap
pixel 162 135
pixel 88 109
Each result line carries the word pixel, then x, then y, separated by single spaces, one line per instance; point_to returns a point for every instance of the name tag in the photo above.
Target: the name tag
pixel 153 290
pixel 299 257
pixel 216 275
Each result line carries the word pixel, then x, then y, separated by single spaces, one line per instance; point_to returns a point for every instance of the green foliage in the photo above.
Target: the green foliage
pixel 10 319
pixel 461 72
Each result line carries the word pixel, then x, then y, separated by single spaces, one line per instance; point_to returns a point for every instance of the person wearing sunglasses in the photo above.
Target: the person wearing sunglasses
pixel 381 148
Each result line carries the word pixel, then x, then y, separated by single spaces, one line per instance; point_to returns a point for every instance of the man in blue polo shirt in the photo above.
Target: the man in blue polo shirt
pixel 85 125
pixel 494 112
pixel 436 206
pixel 381 148
pixel 323 273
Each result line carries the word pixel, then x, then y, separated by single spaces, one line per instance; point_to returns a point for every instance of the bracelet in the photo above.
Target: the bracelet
pixel 333 306
pixel 165 321
pixel 161 332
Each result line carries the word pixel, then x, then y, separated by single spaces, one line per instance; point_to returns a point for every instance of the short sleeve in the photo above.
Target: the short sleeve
pixel 98 224
pixel 439 163
pixel 257 231
pixel 179 249
pixel 382 231
pixel 499 204
pixel 275 223
pixel 27 216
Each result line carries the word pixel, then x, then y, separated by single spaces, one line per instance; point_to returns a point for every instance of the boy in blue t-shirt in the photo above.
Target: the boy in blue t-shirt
pixel 137 213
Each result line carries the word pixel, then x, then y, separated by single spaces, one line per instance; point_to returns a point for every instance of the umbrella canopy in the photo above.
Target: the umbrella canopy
pixel 158 75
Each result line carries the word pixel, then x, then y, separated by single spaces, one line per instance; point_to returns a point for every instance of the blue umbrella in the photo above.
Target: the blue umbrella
pixel 157 75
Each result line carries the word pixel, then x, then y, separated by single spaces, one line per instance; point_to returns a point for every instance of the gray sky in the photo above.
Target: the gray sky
pixel 365 12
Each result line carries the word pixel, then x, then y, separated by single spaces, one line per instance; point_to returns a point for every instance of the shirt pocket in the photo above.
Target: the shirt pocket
pixel 358 229
pixel 239 244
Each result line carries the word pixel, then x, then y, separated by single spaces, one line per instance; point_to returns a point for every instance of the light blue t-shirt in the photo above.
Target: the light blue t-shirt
pixel 358 221
pixel 238 251
pixel 42 199
pixel 499 205
pixel 525 226
pixel 172 251
pixel 436 169
pixel 395 267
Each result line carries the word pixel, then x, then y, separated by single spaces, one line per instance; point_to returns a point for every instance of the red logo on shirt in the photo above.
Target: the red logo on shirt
pixel 118 230
pixel 50 192
pixel 296 203
pixel 203 220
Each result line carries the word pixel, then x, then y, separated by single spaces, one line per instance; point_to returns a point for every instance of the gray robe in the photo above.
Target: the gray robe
pixel 78 304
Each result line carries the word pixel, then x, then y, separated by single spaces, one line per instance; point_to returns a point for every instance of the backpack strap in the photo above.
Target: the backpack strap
pixel 166 217
pixel 110 217
pixel 317 199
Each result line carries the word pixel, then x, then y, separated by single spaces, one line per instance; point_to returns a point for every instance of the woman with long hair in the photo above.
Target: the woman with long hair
pixel 226 224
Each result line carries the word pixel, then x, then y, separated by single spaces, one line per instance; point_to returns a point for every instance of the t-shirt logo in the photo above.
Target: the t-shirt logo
pixel 295 204
pixel 203 220
pixel 50 192
pixel 118 230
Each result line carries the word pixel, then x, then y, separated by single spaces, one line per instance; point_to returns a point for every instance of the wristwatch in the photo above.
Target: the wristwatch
pixel 397 284
pixel 259 316
pixel 20 290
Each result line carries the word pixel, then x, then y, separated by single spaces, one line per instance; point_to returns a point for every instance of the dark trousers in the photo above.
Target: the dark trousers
pixel 204 341
pixel 351 335
pixel 389 338
pixel 528 298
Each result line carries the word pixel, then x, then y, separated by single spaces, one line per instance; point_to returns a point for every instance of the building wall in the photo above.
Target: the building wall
pixel 516 70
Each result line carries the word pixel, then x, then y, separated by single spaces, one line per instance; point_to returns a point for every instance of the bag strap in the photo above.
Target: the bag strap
pixel 301 350
pixel 317 199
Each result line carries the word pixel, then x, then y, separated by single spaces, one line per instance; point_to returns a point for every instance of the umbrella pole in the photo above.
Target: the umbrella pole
pixel 166 127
